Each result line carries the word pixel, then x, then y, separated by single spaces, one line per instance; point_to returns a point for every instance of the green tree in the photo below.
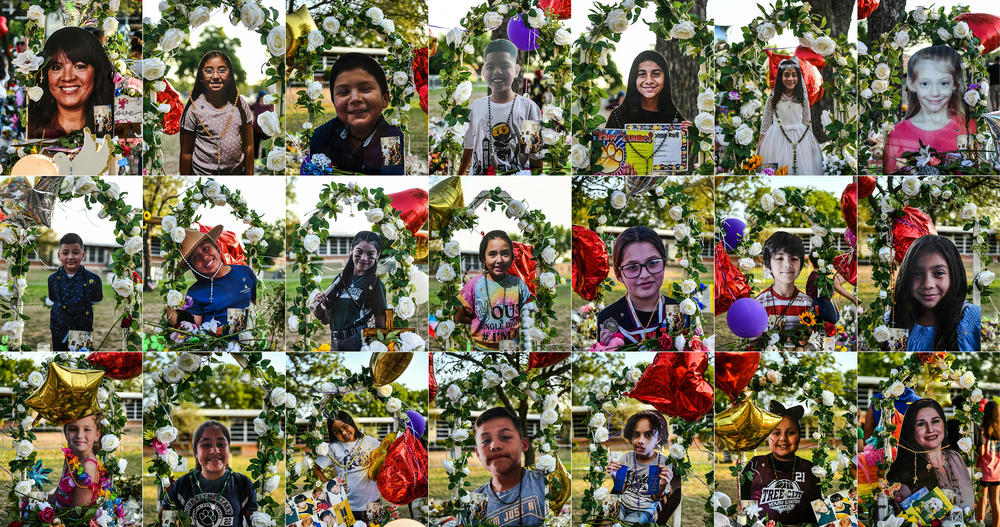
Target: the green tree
pixel 159 195
pixel 188 57
pixel 222 390
pixel 409 16
pixel 563 239
pixel 14 369
pixel 732 192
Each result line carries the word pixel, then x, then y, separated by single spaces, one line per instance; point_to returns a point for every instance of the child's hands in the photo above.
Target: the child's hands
pixel 628 170
pixel 613 467
pixel 605 336
pixel 321 299
pixel 666 474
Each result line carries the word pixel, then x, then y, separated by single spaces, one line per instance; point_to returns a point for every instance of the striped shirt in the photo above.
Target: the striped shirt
pixel 791 307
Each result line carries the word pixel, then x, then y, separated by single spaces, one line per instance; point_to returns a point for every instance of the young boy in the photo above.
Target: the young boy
pixel 639 503
pixel 73 291
pixel 514 495
pixel 492 143
pixel 783 257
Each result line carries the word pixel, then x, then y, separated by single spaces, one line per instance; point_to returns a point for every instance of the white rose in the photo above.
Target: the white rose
pixel 515 208
pixel 879 85
pixel 293 323
pixel 411 341
pixel 454 393
pixel 122 286
pixel 269 123
pixel 824 45
pixel 171 38
pixel 819 471
pixel 882 333
pixel 601 494
pixel 597 420
pixel 492 20
pixel 314 40
pixel 885 254
pixel 375 15
pixel 152 69
pixel 133 245
pixel 399 78
pixel 35 93
pixel 744 134
pixel 406 307
pixel 706 101
pixel 109 443
pixel 314 90
pixel 393 405
pixel 961 30
pixel 444 329
pixel 985 278
pixel 277 397
pixel 911 185
pixel 601 434
pixel 563 37
pixel 920 15
pixel 460 435
pixel 331 25
pixel 617 20
pixel 965 444
pixel 766 31
pixel 971 97
pixel 390 231
pixel 462 92
pixel 866 93
pixel 254 234
pixel 745 264
pixel 901 39
pixel 24 447
pixel 705 121
pixel 276 41
pixel 967 379
pixel 618 199
pixel 445 273
pixel 895 390
pixel 166 434
pixel 261 519
pixel 549 417
pixel 688 307
pixel 815 241
pixel 944 34
pixel 755 249
pixel 189 362
pixel 173 375
pixel 22 488
pixel 199 16
pixel 272 483
pixel 36 13
pixel 677 451
pixel 827 398
pixel 36 379
pixel 682 30
pixel 252 16
pixel 969 211
pixel 374 215
pixel 579 157
pixel 548 280
pixel 535 17
pixel 168 223
pixel 546 463
pixel 452 249
pixel 174 298
pixel 311 243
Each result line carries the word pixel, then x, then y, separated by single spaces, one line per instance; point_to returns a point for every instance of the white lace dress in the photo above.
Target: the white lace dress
pixel 775 147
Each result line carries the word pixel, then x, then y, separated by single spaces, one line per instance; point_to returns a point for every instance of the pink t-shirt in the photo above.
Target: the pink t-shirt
pixel 989 462
pixel 906 137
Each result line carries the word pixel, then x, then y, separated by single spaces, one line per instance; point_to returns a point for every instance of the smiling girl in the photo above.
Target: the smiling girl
pixel 356 298
pixel 75 77
pixel 930 298
pixel 217 124
pixel 219 286
pixel 495 301
pixel 935 114
pixel 84 478
pixel 351 454
pixel 354 140
pixel 786 136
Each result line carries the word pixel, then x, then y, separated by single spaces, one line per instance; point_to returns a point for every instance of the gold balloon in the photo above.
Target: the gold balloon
pixel 67 394
pixel 445 197
pixel 561 475
pixel 297 24
pixel 744 426
pixel 388 366
pixel 378 456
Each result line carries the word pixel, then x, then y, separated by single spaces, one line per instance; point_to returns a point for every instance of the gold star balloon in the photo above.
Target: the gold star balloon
pixel 744 426
pixel 67 394
pixel 388 366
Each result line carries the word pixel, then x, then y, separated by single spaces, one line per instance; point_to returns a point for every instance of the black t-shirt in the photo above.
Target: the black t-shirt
pixel 620 313
pixel 204 508
pixel 783 489
pixel 994 71
pixel 332 139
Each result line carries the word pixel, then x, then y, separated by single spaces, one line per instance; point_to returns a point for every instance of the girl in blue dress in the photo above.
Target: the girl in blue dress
pixel 930 298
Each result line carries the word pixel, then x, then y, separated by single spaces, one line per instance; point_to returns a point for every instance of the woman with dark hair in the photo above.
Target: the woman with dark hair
pixel 930 298
pixel 212 493
pixel 217 124
pixel 359 139
pixel 923 458
pixel 350 453
pixel 781 483
pixel 356 298
pixel 76 77
pixel 641 501
pixel 786 136
pixel 639 260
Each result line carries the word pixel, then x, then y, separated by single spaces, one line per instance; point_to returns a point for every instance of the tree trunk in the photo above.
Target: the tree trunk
pixel 838 21
pixel 684 85
pixel 884 18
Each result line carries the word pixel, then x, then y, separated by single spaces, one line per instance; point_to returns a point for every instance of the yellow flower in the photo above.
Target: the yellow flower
pixel 782 171
pixel 146 215
pixel 807 318
pixel 324 347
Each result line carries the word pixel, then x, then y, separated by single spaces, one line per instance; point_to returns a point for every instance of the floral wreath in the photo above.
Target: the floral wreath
pixel 828 466
pixel 307 58
pixel 27 469
pixel 20 243
pixel 674 20
pixel 597 501
pixel 398 243
pixel 457 402
pixel 822 246
pixel 536 326
pixel 558 78
pixel 324 401
pixel 880 95
pixel 209 335
pixel 880 446
pixel 159 431
pixel 740 76
pixel 161 41
pixel 687 232
pixel 919 193
pixel 29 61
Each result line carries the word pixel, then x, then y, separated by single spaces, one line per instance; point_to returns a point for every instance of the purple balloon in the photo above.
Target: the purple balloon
pixel 734 232
pixel 524 37
pixel 418 425
pixel 747 319
pixel 850 238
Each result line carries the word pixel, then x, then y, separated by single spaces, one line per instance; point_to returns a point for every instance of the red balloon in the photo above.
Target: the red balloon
pixel 730 283
pixel 986 27
pixel 562 8
pixel 810 74
pixel 675 384
pixel 403 476
pixel 171 119
pixel 590 262
pixel 412 207
pixel 849 206
pixel 866 185
pixel 907 228
pixel 866 8
pixel 432 382
pixel 232 251
pixel 3 26
pixel 537 359
pixel 810 56
pixel 524 265
pixel 420 67
pixel 846 264
pixel 734 370
pixel 121 365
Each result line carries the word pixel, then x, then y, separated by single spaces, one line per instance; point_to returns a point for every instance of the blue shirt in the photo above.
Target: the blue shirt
pixel 505 509
pixel 332 139
pixel 234 290
pixel 968 329
pixel 73 298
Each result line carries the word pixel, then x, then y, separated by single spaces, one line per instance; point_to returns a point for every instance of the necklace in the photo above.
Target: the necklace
pixel 353 290
pixel 210 513
pixel 649 159
pixel 781 317
pixel 349 459
pixel 218 142
pixel 784 490
pixel 635 316
pixel 635 470
pixel 795 144
pixel 490 154
pixel 520 504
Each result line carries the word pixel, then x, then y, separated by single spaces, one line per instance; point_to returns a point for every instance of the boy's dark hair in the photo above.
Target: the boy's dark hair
pixel 501 45
pixel 324 514
pixel 498 412
pixel 347 419
pixel 493 235
pixel 70 239
pixel 656 422
pixel 783 241
pixel 357 61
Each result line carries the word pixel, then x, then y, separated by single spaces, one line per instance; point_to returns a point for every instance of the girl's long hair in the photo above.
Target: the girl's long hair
pixel 348 273
pixel 991 420
pixel 910 468
pixel 947 56
pixel 799 92
pixel 232 93
pixel 633 99
pixel 948 311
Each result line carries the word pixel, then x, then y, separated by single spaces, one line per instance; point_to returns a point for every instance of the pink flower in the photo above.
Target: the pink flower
pixel 159 446
pixel 47 515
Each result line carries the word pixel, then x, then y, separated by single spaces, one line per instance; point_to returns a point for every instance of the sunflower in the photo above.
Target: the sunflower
pixel 752 163
pixel 324 347
pixel 146 215
pixel 807 318
pixel 782 171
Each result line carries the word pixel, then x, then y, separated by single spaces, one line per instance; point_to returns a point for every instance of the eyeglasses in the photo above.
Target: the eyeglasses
pixel 633 270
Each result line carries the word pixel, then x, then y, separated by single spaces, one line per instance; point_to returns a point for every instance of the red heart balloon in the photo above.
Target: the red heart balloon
pixel 733 371
pixel 590 262
pixel 810 74
pixel 3 26
pixel 907 228
pixel 432 382
pixel 866 8
pixel 675 384
pixel 846 264
pixel 412 207
pixel 537 359
pixel 403 476
pixel 984 26
pixel 866 185
pixel 524 265
pixel 849 206
pixel 730 283
pixel 562 8
pixel 121 365
pixel 420 63
pixel 810 56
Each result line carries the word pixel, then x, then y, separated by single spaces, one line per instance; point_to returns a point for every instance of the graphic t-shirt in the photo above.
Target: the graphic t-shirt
pixel 504 152
pixel 218 143
pixel 352 461
pixel 783 490
pixel 207 508
pixel 497 307
pixel 636 496
pixel 234 290
pixel 504 509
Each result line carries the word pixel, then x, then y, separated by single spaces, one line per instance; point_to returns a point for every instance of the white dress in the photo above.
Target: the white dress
pixel 776 148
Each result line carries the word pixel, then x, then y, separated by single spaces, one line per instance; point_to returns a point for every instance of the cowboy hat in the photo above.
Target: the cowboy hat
pixel 194 238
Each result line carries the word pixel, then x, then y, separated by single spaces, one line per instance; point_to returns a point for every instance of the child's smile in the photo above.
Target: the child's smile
pixel 70 256
pixel 498 258
pixel 359 100
pixel 933 84
pixel 931 279
pixel 82 435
